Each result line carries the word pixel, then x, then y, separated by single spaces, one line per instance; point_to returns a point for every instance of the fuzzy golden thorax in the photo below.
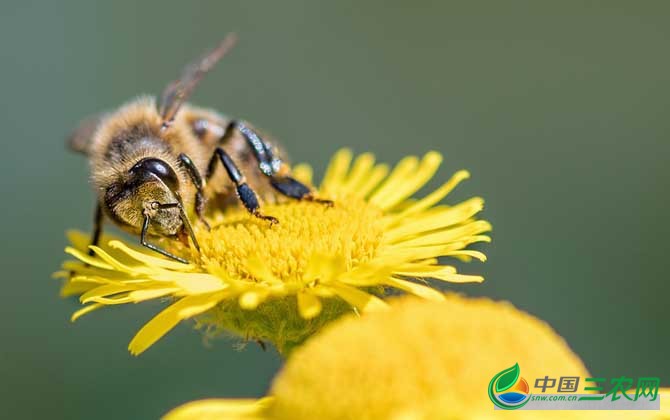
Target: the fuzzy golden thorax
pixel 132 133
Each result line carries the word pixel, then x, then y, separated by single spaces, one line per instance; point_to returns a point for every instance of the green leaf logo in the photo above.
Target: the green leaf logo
pixel 503 381
pixel 507 378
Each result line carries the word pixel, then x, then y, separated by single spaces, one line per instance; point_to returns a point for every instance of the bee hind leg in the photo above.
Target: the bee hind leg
pixel 246 195
pixel 293 188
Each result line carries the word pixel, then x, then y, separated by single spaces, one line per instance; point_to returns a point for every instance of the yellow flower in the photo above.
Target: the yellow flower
pixel 282 283
pixel 420 360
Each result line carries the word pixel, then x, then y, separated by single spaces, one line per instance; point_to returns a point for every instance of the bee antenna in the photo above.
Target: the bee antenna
pixel 178 91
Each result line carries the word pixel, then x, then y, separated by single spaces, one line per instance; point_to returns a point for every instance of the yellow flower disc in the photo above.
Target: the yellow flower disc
pixel 351 229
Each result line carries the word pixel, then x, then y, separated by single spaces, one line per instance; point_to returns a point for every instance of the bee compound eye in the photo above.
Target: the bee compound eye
pixel 158 168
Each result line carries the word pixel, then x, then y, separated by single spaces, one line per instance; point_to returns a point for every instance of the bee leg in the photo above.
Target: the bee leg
pixel 293 188
pixel 97 228
pixel 143 241
pixel 272 167
pixel 244 191
pixel 194 174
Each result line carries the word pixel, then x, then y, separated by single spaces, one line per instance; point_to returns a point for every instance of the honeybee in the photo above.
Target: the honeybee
pixel 154 164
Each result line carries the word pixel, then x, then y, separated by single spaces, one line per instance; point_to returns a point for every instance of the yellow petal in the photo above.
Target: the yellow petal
pixel 62 274
pixel 336 172
pixel 441 272
pixel 398 177
pixel 468 252
pixel 85 258
pixel 194 283
pixel 169 317
pixel 116 264
pixel 357 298
pixel 451 238
pixel 148 294
pixel 439 220
pixel 79 240
pixel 251 299
pixel 86 309
pixel 416 270
pixel 477 238
pixel 425 171
pixel 360 171
pixel 105 291
pixel 415 289
pixel 366 274
pixel 323 292
pixel 309 305
pixel 434 197
pixel 303 173
pixel 323 268
pixel 143 257
pixel 217 409
pixel 72 288
pixel 378 173
pixel 259 270
pixel 456 278
pixel 412 253
pixel 77 269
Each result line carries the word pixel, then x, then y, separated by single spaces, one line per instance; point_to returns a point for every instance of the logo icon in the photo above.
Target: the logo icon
pixel 508 390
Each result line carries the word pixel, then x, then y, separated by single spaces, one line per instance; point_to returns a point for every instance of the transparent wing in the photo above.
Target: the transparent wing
pixel 178 91
pixel 80 139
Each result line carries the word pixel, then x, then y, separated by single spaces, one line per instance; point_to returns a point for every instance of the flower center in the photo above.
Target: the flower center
pixel 349 230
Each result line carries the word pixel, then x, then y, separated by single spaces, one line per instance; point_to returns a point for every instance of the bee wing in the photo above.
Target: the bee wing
pixel 176 93
pixel 80 139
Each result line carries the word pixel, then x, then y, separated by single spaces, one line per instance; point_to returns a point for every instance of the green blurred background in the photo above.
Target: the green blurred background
pixel 559 110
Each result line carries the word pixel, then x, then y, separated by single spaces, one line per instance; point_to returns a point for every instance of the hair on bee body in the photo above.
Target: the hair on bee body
pixel 153 164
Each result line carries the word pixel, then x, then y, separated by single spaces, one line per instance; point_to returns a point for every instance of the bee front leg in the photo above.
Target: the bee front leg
pixel 194 174
pixel 97 228
pixel 246 195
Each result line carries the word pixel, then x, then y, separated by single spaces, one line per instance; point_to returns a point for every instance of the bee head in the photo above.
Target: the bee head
pixel 149 188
